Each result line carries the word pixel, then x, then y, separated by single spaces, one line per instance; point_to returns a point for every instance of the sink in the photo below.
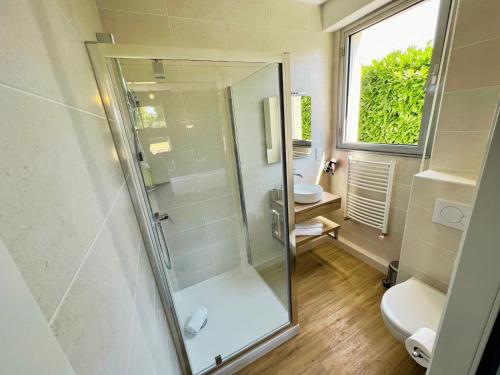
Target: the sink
pixel 307 193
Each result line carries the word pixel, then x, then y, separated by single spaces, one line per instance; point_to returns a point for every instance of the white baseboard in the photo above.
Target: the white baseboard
pixel 362 254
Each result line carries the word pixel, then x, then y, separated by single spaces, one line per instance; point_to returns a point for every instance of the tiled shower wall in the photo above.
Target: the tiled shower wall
pixel 471 94
pixel 66 214
pixel 205 234
pixel 252 25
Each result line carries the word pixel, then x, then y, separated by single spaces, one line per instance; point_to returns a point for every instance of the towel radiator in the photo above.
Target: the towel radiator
pixel 369 188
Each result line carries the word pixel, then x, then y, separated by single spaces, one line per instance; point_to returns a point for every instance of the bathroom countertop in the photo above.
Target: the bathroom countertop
pixel 327 198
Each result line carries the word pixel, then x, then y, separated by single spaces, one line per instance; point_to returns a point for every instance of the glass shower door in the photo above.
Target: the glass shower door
pixel 208 138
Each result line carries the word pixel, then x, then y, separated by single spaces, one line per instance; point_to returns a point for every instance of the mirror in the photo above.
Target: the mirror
pixel 301 125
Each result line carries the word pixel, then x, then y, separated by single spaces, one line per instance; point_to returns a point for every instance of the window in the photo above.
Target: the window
pixel 389 73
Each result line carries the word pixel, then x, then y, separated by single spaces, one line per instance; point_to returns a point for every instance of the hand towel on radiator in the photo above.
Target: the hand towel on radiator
pixel 420 344
pixel 309 224
pixel 308 231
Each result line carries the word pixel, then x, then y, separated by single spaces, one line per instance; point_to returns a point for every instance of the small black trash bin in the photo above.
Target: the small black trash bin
pixel 392 274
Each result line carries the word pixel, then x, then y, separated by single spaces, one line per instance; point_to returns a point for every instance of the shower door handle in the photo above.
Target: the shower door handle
pixel 157 218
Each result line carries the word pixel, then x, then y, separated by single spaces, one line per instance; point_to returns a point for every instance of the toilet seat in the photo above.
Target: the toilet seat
pixel 410 305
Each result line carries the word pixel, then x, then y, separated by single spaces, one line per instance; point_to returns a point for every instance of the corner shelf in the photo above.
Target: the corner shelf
pixel 329 227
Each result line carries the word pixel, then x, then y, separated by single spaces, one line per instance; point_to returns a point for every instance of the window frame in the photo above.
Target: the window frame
pixel 433 90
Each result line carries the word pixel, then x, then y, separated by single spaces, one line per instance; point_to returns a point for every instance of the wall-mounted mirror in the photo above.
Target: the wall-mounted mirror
pixel 301 124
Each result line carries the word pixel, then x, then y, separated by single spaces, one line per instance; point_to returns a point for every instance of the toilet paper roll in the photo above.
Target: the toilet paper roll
pixel 420 344
pixel 197 320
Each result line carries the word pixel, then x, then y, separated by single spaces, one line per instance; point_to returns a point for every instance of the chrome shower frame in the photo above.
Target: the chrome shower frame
pixel 103 57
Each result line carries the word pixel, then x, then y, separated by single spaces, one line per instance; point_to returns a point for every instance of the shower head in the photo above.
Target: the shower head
pixel 158 71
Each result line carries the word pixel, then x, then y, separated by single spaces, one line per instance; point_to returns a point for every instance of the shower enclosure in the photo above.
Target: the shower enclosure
pixel 204 137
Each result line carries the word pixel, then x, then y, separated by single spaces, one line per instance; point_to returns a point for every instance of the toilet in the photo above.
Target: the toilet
pixel 410 305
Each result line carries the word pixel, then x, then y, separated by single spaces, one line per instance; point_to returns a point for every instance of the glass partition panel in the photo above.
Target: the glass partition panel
pixel 200 134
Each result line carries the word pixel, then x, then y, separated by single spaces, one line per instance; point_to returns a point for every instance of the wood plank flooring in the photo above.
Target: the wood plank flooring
pixel 341 330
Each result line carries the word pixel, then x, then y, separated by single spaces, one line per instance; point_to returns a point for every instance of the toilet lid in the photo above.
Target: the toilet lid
pixel 411 305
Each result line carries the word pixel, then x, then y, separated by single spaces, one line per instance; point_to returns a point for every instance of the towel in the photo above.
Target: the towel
pixel 309 224
pixel 420 344
pixel 197 321
pixel 308 231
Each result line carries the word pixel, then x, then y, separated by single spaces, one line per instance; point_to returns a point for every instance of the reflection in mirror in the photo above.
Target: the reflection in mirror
pixel 301 125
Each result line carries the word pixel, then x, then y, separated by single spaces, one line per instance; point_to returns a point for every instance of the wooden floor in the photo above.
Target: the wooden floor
pixel 341 330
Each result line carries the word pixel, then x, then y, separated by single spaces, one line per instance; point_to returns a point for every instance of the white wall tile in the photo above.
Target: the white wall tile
pixel 191 33
pixel 151 6
pixel 202 9
pixel 46 56
pixel 244 12
pixel 136 28
pixel 184 218
pixel 54 152
pixel 94 324
pixel 219 208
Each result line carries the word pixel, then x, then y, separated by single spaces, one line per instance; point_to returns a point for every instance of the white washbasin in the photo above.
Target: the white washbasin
pixel 307 193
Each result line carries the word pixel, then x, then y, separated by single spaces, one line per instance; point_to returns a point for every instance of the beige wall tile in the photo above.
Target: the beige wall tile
pixel 83 16
pixel 370 243
pixel 419 224
pixel 247 38
pixel 459 151
pixel 425 191
pixel 400 196
pixel 255 12
pixel 294 15
pixel 406 271
pixel 406 168
pixel 150 6
pixel 477 21
pixel 397 219
pixel 469 110
pixel 202 9
pixel 134 28
pixel 393 242
pixel 191 33
pixel 474 66
pixel 62 68
pixel 436 262
pixel 92 341
pixel 53 151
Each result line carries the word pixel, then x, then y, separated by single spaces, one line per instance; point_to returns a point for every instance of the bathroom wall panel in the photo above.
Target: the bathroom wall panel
pixel 67 214
pixel 47 63
pixel 61 175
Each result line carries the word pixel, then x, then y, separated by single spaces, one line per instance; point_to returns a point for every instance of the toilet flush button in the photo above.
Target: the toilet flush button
pixel 451 214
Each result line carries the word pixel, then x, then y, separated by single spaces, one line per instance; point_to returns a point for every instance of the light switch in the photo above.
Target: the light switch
pixel 452 214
